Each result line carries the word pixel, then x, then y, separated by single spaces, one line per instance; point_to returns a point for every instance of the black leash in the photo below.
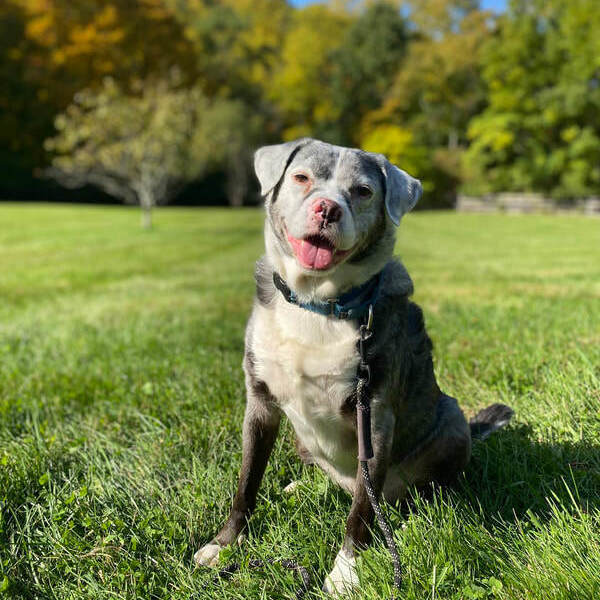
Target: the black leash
pixel 365 447
pixel 365 452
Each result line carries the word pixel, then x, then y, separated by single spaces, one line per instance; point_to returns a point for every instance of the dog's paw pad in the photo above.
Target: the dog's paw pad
pixel 343 578
pixel 290 488
pixel 208 556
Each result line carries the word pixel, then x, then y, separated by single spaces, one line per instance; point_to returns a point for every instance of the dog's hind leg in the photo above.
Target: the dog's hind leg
pixel 440 459
pixel 261 424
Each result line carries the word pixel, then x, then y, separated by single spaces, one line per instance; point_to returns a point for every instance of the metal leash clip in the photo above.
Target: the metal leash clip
pixel 363 406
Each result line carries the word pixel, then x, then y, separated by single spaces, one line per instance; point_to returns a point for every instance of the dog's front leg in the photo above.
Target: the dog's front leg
pixel 343 577
pixel 261 424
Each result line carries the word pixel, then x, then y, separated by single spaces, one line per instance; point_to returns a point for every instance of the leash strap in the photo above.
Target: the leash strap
pixel 365 446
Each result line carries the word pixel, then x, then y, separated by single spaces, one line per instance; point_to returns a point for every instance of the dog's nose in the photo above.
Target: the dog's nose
pixel 327 210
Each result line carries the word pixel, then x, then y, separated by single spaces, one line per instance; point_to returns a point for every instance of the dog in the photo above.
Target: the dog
pixel 330 230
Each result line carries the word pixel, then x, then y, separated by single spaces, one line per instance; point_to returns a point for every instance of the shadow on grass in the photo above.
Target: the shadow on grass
pixel 512 474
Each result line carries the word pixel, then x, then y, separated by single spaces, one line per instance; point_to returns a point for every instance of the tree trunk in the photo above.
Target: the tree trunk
pixel 237 180
pixel 146 202
pixel 146 217
pixel 453 139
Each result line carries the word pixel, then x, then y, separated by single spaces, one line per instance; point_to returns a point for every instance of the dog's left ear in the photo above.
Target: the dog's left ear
pixel 270 162
pixel 402 191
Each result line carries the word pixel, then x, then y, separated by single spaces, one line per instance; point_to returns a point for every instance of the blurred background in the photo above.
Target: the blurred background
pixel 163 101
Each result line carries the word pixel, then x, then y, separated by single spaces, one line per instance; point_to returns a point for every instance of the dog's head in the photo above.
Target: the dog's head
pixel 332 213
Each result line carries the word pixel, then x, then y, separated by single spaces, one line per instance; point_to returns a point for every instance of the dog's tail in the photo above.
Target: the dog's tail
pixel 490 419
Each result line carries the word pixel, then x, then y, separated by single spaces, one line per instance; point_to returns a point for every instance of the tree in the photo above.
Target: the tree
pixel 541 129
pixel 50 49
pixel 140 148
pixel 436 90
pixel 22 115
pixel 300 86
pixel 371 53
pixel 236 42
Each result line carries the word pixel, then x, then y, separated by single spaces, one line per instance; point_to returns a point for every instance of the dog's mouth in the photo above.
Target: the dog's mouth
pixel 316 252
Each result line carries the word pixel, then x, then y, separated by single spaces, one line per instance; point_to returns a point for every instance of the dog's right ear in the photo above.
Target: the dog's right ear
pixel 270 162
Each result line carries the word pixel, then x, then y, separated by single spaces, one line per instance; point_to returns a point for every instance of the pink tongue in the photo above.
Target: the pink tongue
pixel 314 256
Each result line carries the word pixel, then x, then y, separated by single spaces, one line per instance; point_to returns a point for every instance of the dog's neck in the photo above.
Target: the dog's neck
pixel 353 305
pixel 316 287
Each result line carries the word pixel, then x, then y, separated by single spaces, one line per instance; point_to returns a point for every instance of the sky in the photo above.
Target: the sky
pixel 496 5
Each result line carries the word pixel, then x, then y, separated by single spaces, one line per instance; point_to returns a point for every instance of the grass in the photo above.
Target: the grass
pixel 121 402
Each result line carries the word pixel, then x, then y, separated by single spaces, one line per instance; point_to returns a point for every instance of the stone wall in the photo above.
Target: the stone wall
pixel 523 203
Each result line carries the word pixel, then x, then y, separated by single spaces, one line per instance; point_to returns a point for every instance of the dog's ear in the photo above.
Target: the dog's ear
pixel 270 162
pixel 402 191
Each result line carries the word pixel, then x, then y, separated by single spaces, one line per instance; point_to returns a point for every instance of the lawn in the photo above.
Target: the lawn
pixel 121 403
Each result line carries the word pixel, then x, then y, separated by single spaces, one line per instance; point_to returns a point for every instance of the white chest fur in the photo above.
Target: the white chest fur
pixel 309 364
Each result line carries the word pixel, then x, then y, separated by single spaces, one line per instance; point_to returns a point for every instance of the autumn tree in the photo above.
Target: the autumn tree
pixel 371 53
pixel 435 92
pixel 50 49
pixel 236 42
pixel 300 86
pixel 23 117
pixel 140 148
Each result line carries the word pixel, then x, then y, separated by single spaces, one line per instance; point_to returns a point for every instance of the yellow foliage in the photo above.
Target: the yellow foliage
pixel 391 140
pixel 107 17
pixel 102 31
pixel 41 29
pixel 155 9
pixel 298 84
pixel 58 57
pixel 295 132
pixel 503 140
pixel 570 133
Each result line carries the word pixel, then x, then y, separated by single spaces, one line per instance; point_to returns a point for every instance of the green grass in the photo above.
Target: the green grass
pixel 121 403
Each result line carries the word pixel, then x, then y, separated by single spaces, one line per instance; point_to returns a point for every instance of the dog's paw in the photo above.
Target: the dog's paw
pixel 290 488
pixel 208 556
pixel 343 578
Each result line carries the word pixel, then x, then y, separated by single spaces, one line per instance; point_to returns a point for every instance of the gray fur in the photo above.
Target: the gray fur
pixel 270 163
pixel 401 191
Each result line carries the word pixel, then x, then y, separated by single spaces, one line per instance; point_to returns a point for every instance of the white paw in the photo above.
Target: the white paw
pixel 343 578
pixel 290 488
pixel 208 556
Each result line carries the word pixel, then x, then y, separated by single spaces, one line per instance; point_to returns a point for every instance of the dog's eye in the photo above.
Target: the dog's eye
pixel 301 177
pixel 363 191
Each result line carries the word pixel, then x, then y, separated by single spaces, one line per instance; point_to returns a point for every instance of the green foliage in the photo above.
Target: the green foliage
pixel 144 147
pixel 363 67
pixel 541 130
pixel 489 103
pixel 436 91
pixel 300 85
pixel 51 49
pixel 122 398
pixel 237 42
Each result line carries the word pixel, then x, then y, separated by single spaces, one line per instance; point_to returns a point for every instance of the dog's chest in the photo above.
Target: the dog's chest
pixel 309 364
